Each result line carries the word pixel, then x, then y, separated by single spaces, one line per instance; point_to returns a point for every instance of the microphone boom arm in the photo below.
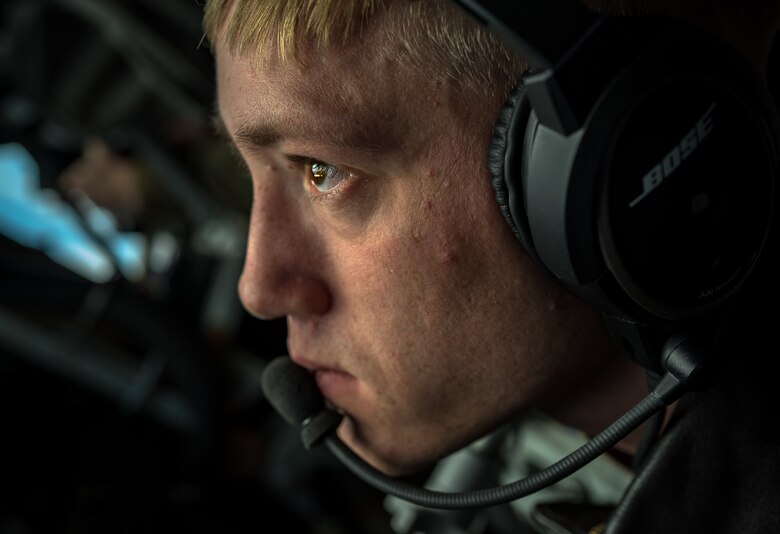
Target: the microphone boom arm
pixel 292 391
pixel 668 390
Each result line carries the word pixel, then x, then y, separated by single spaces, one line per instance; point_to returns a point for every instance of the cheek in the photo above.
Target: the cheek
pixel 418 280
pixel 396 281
pixel 428 250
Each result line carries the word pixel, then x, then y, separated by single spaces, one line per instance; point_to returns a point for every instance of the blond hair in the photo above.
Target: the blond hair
pixel 436 37
pixel 432 36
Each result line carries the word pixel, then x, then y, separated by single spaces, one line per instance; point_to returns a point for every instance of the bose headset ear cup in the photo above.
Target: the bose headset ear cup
pixel 659 206
pixel 506 163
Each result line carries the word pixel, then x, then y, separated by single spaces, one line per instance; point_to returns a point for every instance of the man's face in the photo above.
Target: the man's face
pixel 375 231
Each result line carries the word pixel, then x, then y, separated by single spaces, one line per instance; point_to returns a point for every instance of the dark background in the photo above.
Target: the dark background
pixel 132 403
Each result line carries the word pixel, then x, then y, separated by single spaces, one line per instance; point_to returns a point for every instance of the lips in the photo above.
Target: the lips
pixel 312 365
pixel 334 383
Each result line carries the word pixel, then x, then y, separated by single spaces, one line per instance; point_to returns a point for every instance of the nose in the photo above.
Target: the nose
pixel 280 275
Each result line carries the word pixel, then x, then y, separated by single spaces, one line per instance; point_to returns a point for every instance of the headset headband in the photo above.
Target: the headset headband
pixel 525 28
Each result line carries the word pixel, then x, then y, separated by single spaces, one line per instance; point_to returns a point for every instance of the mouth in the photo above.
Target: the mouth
pixel 334 383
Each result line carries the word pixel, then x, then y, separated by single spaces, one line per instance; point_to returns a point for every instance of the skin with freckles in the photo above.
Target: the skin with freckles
pixel 404 290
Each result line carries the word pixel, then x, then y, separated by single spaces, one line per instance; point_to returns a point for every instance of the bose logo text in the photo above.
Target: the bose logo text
pixel 672 160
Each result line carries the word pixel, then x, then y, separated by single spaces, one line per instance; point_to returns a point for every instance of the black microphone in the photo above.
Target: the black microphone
pixel 293 392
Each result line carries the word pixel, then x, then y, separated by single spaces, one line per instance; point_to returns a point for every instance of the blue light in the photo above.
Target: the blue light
pixel 40 219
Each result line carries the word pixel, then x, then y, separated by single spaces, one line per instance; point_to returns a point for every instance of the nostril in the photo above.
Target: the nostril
pixel 313 297
pixel 269 296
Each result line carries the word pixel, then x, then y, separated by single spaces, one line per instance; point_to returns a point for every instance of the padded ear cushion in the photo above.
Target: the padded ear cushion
pixel 507 166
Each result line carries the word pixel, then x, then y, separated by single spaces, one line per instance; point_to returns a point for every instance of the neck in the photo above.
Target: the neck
pixel 617 387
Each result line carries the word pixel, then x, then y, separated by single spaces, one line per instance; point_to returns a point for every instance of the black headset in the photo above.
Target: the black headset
pixel 636 162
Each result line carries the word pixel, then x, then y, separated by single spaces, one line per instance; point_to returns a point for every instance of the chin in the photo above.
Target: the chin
pixel 392 459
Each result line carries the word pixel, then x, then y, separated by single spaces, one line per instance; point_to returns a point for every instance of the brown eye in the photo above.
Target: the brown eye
pixel 319 172
pixel 324 177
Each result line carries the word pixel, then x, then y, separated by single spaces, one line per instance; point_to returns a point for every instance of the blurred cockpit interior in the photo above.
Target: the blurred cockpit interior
pixel 129 372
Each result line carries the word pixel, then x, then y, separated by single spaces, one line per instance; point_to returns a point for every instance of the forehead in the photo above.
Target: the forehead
pixel 352 86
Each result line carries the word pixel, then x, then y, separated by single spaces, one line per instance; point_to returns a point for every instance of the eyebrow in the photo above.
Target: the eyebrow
pixel 265 134
pixel 259 135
